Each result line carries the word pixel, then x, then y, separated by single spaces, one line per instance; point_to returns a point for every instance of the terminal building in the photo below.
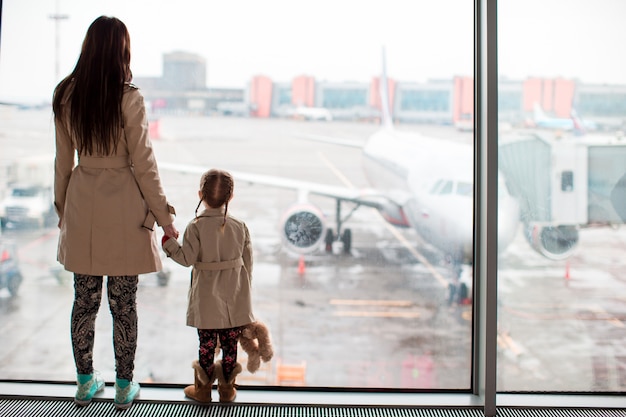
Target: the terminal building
pixel 183 88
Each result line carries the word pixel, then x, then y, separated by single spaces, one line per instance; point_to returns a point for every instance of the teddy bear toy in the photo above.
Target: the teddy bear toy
pixel 255 341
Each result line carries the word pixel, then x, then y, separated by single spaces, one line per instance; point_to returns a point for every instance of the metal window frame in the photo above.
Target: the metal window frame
pixel 484 365
pixel 485 204
pixel 485 355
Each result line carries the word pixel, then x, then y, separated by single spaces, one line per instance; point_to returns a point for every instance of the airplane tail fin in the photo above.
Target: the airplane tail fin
pixel 579 128
pixel 538 112
pixel 384 93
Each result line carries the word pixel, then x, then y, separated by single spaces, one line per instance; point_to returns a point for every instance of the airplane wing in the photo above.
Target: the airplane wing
pixel 364 197
pixel 350 143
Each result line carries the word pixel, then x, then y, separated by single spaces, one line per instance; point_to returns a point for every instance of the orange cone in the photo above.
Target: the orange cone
pixel 301 265
pixel 154 129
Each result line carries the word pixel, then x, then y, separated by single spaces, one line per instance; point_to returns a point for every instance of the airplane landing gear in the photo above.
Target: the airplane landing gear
pixel 459 290
pixel 330 238
pixel 345 238
pixel 458 293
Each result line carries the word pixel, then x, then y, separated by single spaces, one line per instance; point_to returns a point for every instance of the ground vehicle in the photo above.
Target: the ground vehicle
pixel 10 275
pixel 27 204
pixel 29 198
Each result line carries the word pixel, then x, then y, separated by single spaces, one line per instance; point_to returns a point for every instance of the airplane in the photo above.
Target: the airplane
pixel 573 123
pixel 417 182
pixel 309 113
pixel 14 105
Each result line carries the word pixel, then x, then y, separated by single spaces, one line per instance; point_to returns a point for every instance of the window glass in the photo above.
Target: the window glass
pixel 425 100
pixel 380 296
pixel 436 186
pixel 561 317
pixel 447 188
pixel 346 98
pixel 464 188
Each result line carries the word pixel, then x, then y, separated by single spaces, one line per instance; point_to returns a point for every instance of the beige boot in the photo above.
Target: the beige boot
pixel 201 389
pixel 226 388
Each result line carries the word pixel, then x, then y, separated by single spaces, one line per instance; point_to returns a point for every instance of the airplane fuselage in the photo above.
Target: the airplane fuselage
pixel 437 175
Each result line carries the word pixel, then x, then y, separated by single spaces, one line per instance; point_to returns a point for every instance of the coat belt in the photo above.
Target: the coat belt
pixel 218 266
pixel 104 162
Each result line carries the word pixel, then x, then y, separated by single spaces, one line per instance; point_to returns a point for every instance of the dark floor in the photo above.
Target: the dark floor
pixel 38 399
pixel 104 408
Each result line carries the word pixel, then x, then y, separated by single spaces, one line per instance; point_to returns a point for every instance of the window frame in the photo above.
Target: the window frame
pixel 484 326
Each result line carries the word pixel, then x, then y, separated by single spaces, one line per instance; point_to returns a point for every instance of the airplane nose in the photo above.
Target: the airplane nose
pixel 460 235
pixel 508 222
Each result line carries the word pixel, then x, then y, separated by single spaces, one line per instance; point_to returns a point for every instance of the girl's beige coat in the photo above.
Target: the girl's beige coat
pixel 220 290
pixel 104 201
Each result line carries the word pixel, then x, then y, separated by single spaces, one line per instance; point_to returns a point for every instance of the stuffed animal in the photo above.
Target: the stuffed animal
pixel 255 341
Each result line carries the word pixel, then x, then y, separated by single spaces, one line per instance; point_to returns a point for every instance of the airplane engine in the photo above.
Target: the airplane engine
pixel 303 228
pixel 553 242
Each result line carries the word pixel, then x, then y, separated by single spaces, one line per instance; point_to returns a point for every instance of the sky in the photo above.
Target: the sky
pixel 333 40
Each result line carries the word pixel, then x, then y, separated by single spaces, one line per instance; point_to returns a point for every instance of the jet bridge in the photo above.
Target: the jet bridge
pixel 562 184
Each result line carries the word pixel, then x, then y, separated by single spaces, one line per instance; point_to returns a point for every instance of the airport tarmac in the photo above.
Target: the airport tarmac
pixel 376 318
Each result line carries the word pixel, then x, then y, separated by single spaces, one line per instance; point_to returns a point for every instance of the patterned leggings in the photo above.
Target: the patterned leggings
pixel 122 294
pixel 228 344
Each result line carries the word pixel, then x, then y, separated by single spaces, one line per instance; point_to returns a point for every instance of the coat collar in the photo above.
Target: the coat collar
pixel 212 212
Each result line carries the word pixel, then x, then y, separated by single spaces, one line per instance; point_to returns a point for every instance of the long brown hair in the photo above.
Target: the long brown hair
pixel 97 82
pixel 216 187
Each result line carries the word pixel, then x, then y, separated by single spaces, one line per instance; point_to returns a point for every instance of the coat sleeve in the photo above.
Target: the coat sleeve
pixel 142 156
pixel 63 165
pixel 247 252
pixel 187 253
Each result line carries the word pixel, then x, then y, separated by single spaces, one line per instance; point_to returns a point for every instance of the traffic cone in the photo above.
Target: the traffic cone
pixel 567 277
pixel 301 265
pixel 154 129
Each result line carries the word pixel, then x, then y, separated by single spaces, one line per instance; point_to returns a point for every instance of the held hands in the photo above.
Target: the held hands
pixel 170 231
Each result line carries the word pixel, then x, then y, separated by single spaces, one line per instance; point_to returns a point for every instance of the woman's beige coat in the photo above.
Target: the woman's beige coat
pixel 220 291
pixel 107 205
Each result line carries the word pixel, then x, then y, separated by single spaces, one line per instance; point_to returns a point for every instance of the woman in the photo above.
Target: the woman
pixel 107 203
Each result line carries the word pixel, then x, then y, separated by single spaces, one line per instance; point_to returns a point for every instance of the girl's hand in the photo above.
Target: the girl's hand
pixel 170 230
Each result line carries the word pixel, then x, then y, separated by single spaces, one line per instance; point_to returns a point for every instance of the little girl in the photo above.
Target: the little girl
pixel 218 246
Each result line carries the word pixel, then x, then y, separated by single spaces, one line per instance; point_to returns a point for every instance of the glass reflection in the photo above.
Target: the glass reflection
pixel 561 306
pixel 379 293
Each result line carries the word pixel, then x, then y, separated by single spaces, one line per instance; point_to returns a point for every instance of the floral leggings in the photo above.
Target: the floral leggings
pixel 228 343
pixel 122 294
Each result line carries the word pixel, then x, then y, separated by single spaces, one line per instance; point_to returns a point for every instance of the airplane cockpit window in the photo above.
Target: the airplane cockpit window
pixel 436 186
pixel 446 188
pixel 442 187
pixel 464 188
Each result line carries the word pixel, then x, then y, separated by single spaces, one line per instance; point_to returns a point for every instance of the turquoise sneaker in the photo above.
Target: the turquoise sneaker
pixel 88 386
pixel 125 393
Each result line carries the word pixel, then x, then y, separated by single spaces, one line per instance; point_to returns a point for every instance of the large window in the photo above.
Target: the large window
pixel 383 297
pixel 369 304
pixel 561 307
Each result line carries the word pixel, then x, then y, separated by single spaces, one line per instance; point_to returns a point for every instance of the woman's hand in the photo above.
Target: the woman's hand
pixel 170 230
